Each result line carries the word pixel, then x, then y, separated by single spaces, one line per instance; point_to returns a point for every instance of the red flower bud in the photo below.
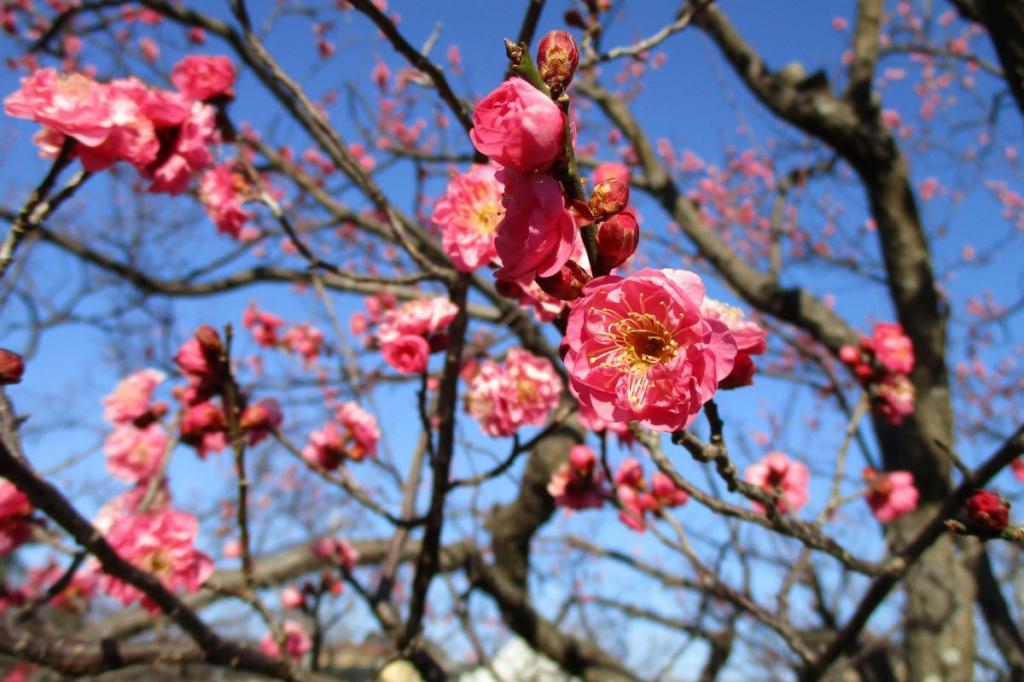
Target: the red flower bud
pixel 566 284
pixel 609 197
pixel 200 420
pixel 557 59
pixel 988 511
pixel 11 367
pixel 507 288
pixel 438 342
pixel 849 354
pixel 617 239
pixel 209 342
pixel 261 416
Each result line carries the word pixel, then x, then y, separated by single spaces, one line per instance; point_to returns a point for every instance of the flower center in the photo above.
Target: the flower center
pixel 643 341
pixel 638 342
pixel 157 562
pixel 486 217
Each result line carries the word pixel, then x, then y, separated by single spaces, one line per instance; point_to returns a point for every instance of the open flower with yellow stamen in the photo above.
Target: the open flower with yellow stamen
pixel 638 349
pixel 468 214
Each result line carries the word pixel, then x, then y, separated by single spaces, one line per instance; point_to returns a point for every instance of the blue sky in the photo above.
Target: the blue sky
pixel 692 101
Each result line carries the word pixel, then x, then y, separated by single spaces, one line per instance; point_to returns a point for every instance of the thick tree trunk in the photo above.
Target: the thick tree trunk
pixel 1004 20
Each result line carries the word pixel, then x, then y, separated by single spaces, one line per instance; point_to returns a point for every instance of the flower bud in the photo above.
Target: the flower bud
pixel 262 416
pixel 617 238
pixel 582 459
pixel 507 288
pixel 200 420
pixel 292 597
pixel 557 59
pixel 988 511
pixel 438 342
pixel 11 367
pixel 209 343
pixel 609 197
pixel 566 284
pixel 849 354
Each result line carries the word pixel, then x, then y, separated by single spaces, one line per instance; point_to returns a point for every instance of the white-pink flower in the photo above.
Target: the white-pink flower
pixel 130 398
pixel 161 543
pixel 521 391
pixel 638 349
pixel 297 641
pixel 468 214
pixel 134 454
pixel 891 494
pixel 420 317
pixel 779 475
pixel 361 424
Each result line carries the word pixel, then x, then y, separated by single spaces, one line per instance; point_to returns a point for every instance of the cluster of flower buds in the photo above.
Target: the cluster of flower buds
pixel 205 424
pixel 882 363
pixel 523 127
pixel 579 483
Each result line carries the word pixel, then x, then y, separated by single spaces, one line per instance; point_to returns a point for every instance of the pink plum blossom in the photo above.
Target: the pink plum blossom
pixel 134 454
pixel 326 448
pixel 132 135
pixel 664 492
pixel 519 127
pixel 354 439
pixel 292 598
pixel 363 427
pixel 468 214
pixel 894 398
pixel 202 78
pixel 72 105
pixel 892 347
pixel 537 235
pixel 186 154
pixel 260 419
pixel 161 543
pixel 778 474
pixel 297 641
pixel 304 340
pixel 638 349
pixel 15 509
pixel 749 336
pixel 222 192
pixel 262 325
pixel 521 391
pixel 336 550
pixel 891 494
pixel 408 354
pixel 578 484
pixel 127 504
pixel 421 317
pixel 130 398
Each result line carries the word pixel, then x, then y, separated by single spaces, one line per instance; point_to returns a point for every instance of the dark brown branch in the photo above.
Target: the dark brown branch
pixel 216 649
pixel 418 60
pixel 929 533
pixel 1002 625
pixel 1004 20
pixel 865 52
pixel 78 657
pixel 427 565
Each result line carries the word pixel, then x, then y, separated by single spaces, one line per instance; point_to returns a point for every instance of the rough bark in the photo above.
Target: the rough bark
pixel 939 629
pixel 1004 20
pixel 1002 625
